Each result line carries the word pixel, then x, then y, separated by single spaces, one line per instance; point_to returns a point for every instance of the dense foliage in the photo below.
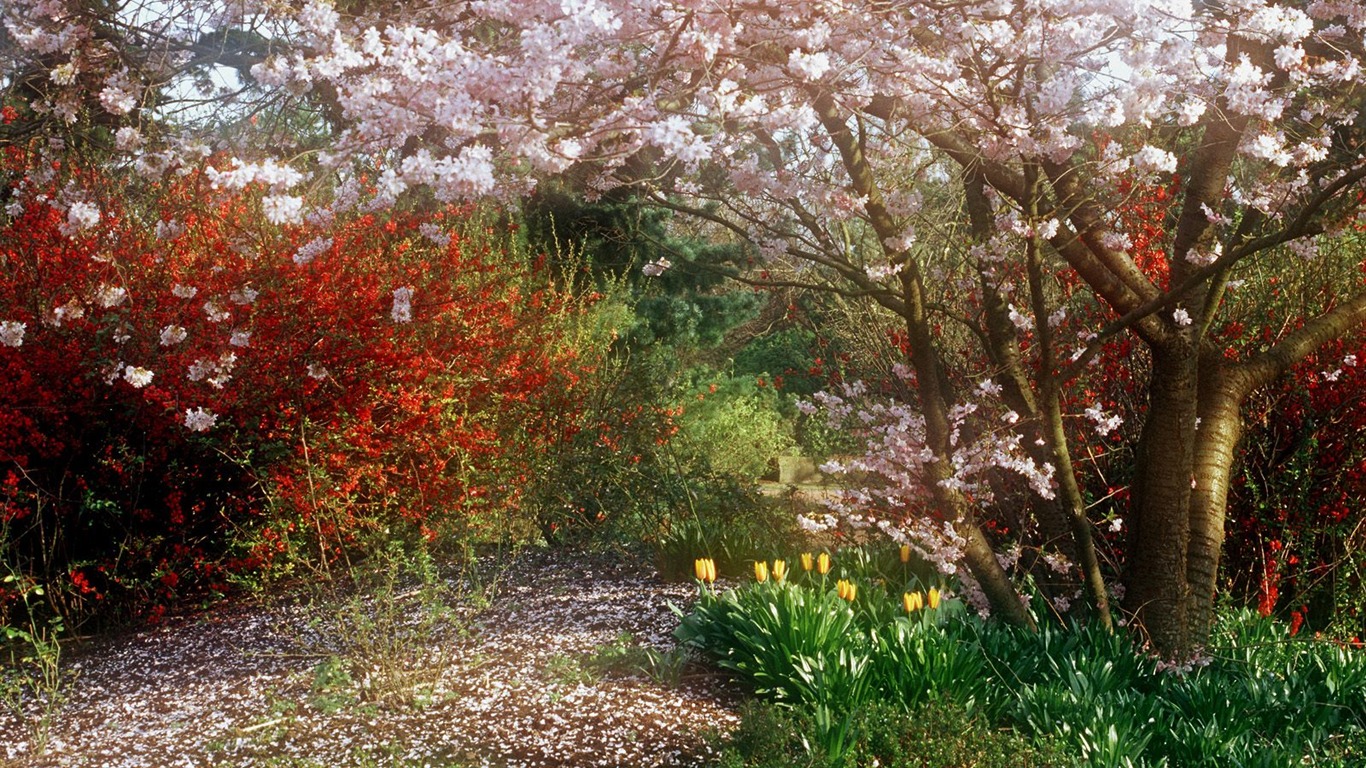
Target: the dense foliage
pixel 194 395
pixel 811 645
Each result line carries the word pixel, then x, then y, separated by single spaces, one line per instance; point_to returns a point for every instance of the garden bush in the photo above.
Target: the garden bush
pixel 197 395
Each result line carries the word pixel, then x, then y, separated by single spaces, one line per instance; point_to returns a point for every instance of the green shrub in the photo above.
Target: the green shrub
pixel 733 425
pixel 937 735
pixel 731 523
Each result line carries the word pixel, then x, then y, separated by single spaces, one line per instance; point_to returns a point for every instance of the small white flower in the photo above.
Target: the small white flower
pixel 1150 159
pixel 215 313
pixel 316 371
pixel 283 209
pixel 1181 316
pixel 72 310
pixel 313 249
pixel 184 291
pixel 433 233
pixel 199 419
pixel 240 339
pixel 402 311
pixel 127 139
pixel 1116 241
pixel 1105 424
pixel 80 217
pixel 1020 320
pixel 138 377
pixel 172 335
pixel 118 101
pixel 244 295
pixel 64 74
pixel 110 296
pixel 656 267
pixel 169 230
pixel 12 333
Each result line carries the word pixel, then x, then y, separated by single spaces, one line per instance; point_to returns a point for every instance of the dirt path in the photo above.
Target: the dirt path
pixel 519 688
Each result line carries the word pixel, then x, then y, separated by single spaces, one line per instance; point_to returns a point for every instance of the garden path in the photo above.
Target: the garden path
pixel 230 687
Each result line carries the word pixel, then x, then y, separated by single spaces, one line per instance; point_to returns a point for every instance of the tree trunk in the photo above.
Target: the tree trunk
pixel 978 555
pixel 1216 439
pixel 1156 592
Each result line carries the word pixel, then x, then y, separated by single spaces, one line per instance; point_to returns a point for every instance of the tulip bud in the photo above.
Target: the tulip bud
pixel 760 571
pixel 779 569
pixel 905 553
pixel 912 601
pixel 806 561
pixel 823 563
pixel 705 569
pixel 847 590
pixel 933 600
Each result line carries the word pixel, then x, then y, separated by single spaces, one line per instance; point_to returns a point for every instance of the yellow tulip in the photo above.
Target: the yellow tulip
pixel 847 590
pixel 823 563
pixel 933 600
pixel 912 601
pixel 760 571
pixel 905 553
pixel 779 569
pixel 806 561
pixel 705 569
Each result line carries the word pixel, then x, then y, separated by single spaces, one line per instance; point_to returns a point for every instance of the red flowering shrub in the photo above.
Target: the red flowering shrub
pixel 1297 538
pixel 191 392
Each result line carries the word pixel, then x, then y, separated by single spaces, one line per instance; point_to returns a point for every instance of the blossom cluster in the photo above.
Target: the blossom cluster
pixel 894 493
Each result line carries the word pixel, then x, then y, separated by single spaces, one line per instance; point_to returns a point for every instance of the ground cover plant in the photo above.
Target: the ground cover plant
pixel 832 646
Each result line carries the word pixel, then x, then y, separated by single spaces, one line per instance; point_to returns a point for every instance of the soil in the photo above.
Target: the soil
pixel 541 677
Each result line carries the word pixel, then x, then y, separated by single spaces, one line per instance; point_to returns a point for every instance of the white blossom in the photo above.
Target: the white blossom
pixel 12 333
pixel 172 335
pixel 215 313
pixel 1105 423
pixel 199 419
pixel 312 250
pixel 1152 159
pixel 127 139
pixel 81 216
pixel 110 296
pixel 402 311
pixel 283 209
pixel 138 377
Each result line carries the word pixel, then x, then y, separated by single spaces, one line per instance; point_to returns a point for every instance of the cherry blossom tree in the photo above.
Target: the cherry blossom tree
pixel 816 130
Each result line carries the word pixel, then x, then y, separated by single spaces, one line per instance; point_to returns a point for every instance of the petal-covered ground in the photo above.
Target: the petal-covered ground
pixel 537 679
